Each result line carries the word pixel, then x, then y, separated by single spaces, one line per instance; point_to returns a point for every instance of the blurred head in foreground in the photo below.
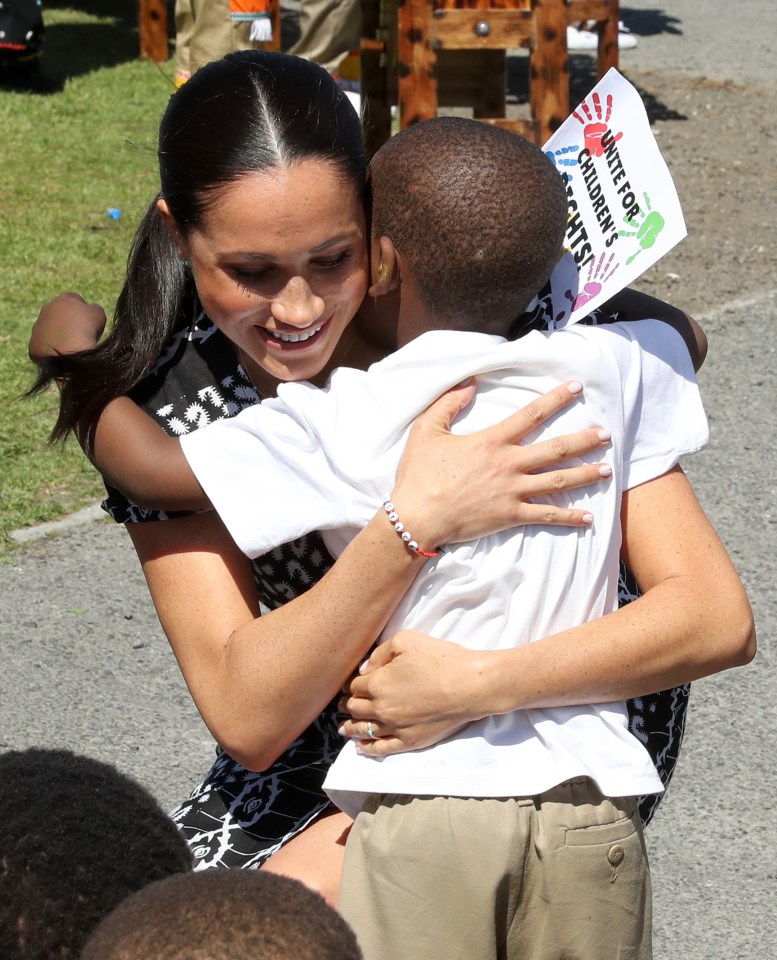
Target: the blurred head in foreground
pixel 78 837
pixel 223 915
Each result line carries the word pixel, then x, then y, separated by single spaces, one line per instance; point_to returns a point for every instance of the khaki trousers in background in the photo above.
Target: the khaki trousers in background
pixel 329 31
pixel 561 876
pixel 205 32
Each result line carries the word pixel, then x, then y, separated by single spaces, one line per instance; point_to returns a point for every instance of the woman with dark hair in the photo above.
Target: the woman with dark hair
pixel 246 272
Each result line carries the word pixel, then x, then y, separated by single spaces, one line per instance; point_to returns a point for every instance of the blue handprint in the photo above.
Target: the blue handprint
pixel 560 158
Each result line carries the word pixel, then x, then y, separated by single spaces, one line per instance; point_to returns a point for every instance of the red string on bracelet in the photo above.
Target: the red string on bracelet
pixel 404 535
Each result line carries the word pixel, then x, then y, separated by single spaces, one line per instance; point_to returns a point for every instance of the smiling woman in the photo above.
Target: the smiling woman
pixel 281 268
pixel 252 261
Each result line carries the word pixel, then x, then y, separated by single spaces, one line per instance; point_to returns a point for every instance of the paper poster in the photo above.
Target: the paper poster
pixel 624 212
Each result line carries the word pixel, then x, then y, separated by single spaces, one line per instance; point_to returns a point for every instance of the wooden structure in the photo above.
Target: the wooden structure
pixel 152 27
pixel 419 54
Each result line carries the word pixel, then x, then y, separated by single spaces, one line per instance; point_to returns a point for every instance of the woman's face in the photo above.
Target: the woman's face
pixel 280 263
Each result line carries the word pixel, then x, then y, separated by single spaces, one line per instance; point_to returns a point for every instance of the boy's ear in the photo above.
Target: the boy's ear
pixel 172 227
pixel 384 267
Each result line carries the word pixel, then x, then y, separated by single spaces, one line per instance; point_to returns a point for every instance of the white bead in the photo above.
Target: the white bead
pixel 393 516
pixel 406 536
pixel 389 506
pixel 413 545
pixel 399 526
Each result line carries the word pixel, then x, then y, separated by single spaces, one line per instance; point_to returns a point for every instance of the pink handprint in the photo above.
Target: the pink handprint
pixel 595 130
pixel 599 273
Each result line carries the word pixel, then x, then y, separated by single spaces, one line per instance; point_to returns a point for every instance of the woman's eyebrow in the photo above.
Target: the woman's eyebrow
pixel 319 248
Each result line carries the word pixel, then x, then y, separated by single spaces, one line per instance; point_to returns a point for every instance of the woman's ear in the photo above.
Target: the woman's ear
pixel 172 228
pixel 384 267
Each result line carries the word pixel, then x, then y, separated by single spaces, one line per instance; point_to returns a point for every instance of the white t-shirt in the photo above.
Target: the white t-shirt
pixel 324 459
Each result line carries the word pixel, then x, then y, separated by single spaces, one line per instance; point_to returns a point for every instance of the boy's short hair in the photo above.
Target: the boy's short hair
pixel 478 212
pixel 224 915
pixel 78 837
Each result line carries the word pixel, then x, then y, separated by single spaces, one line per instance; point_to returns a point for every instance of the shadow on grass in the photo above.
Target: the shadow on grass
pixel 582 79
pixel 73 49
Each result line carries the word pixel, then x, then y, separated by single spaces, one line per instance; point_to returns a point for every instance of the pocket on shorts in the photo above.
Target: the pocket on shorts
pixel 619 830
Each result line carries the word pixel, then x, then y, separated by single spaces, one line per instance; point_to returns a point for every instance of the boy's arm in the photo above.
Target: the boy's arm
pixel 635 305
pixel 66 324
pixel 130 449
pixel 136 455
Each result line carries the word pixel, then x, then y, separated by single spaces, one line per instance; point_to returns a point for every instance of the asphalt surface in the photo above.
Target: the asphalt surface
pixel 85 665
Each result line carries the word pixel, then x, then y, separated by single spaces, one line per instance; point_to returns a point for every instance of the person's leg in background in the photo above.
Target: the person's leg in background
pixel 329 31
pixel 583 36
pixel 204 31
pixel 184 27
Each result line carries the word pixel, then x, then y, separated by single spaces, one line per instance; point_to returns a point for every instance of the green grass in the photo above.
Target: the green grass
pixel 67 155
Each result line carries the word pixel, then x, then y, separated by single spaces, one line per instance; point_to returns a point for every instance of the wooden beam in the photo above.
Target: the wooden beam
pixel 152 27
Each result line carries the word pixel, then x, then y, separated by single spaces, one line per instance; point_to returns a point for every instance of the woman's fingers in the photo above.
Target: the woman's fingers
pixel 451 488
pixel 382 748
pixel 360 729
pixel 441 414
pixel 534 414
pixel 548 453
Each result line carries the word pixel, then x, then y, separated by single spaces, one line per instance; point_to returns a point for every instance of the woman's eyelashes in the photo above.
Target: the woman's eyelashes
pixel 249 280
pixel 334 262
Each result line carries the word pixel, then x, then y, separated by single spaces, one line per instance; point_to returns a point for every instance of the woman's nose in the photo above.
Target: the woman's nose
pixel 297 305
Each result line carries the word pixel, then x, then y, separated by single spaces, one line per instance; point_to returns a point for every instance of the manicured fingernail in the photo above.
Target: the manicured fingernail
pixel 575 386
pixel 341 729
pixel 604 434
pixel 588 518
pixel 363 665
pixel 605 470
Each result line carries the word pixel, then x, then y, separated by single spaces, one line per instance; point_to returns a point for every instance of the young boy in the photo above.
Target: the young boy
pixel 521 833
pixel 79 836
pixel 223 915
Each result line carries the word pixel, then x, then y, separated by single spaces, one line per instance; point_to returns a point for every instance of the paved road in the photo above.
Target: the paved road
pixel 713 844
pixel 84 663
pixel 716 39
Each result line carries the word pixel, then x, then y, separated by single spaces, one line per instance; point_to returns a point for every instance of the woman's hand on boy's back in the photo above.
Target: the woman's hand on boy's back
pixel 451 488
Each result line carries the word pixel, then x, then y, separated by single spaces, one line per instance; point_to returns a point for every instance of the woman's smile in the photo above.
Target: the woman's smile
pixel 292 338
pixel 300 337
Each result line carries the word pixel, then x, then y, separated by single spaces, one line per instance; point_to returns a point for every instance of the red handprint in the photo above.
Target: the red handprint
pixel 595 130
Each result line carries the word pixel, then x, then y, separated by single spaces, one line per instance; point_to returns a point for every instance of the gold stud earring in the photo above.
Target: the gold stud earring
pixel 383 273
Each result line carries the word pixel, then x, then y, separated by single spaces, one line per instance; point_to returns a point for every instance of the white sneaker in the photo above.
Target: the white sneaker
pixel 581 38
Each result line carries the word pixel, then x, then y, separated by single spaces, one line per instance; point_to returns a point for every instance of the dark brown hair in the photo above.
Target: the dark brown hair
pixel 251 111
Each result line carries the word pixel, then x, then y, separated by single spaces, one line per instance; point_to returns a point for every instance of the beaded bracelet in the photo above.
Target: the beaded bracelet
pixel 405 536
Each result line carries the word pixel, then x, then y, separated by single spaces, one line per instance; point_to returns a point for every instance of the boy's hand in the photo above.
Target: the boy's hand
pixel 67 324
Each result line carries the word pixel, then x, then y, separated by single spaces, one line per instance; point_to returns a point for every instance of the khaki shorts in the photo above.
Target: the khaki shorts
pixel 560 876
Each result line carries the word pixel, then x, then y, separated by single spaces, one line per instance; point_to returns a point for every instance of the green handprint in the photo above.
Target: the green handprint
pixel 648 230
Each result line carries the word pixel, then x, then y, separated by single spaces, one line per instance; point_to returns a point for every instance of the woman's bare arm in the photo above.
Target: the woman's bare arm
pixel 259 681
pixel 694 619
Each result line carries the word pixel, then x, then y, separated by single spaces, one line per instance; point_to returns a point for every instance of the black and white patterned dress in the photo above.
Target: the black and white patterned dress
pixel 236 818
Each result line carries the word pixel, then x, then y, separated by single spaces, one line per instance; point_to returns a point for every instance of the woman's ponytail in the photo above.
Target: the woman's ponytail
pixel 151 305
